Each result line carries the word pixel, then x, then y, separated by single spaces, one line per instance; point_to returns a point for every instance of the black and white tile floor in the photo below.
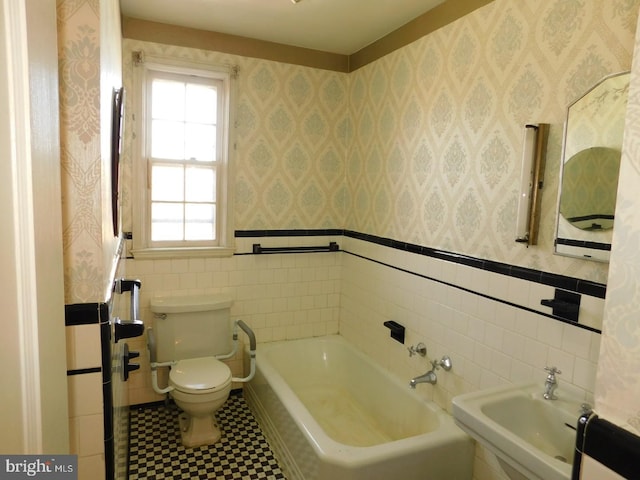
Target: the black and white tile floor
pixel 242 453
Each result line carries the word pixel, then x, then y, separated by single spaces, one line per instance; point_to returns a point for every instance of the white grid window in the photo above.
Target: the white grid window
pixel 184 149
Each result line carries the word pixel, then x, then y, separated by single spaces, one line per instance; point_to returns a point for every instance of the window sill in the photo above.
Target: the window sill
pixel 182 252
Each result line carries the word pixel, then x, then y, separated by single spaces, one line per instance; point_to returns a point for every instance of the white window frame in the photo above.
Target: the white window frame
pixel 143 247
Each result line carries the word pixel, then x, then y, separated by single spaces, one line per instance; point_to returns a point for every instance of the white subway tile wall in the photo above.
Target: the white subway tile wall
pixel 281 296
pixel 287 296
pixel 83 346
pixel 489 342
pixel 86 432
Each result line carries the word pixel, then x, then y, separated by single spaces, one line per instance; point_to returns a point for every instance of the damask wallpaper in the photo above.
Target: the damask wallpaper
pixel 438 125
pixel 422 145
pixel 79 76
pixel 293 133
pixel 89 64
pixel 291 136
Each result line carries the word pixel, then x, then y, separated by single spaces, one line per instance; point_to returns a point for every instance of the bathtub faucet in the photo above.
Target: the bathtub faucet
pixel 430 376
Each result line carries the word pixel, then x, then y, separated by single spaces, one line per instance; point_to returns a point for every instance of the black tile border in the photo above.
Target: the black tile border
pixel 82 314
pixel 579 446
pixel 583 244
pixel 83 371
pixel 612 446
pixel 288 233
pixel 107 384
pixel 585 287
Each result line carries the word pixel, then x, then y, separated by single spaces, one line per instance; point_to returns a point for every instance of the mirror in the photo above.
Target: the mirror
pixel 117 118
pixel 589 170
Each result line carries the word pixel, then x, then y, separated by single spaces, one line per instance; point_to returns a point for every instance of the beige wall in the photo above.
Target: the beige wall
pixel 618 389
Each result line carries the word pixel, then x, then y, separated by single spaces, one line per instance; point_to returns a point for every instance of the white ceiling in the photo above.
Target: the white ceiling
pixel 337 26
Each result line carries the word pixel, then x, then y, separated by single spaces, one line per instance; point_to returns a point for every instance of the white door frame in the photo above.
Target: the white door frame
pixel 33 337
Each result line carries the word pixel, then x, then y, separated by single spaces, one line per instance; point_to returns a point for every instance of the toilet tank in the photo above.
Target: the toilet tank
pixel 191 326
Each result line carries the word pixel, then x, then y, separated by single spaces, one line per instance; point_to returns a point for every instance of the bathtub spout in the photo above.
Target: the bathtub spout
pixel 429 377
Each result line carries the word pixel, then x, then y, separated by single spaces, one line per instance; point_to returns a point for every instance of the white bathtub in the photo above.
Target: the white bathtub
pixel 330 413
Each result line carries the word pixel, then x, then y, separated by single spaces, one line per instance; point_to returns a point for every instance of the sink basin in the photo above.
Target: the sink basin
pixel 534 436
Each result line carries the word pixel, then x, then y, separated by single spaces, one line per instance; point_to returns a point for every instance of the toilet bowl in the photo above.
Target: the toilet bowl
pixel 201 387
pixel 187 335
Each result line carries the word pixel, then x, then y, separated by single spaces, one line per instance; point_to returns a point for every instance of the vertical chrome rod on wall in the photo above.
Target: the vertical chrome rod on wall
pixel 531 183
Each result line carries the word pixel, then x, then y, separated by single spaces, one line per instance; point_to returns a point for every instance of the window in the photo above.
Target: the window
pixel 181 175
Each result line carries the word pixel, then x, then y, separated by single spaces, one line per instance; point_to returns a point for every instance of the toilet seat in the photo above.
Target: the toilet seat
pixel 200 375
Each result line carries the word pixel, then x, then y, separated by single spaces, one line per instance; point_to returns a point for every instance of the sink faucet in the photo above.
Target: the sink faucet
pixel 551 383
pixel 430 376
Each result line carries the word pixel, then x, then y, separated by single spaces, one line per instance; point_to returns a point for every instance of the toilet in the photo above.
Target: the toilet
pixel 188 333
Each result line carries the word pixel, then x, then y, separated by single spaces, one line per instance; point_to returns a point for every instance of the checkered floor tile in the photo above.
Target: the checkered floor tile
pixel 242 453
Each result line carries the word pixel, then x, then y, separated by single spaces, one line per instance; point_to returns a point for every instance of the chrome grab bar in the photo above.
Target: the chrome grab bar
pixel 151 347
pixel 252 349
pixel 258 249
pixel 123 285
pixel 250 334
pixel 135 326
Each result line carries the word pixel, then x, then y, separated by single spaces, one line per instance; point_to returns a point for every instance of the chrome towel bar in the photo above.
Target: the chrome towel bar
pixel 259 249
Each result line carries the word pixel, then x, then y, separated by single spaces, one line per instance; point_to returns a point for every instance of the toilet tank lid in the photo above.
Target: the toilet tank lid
pixel 190 303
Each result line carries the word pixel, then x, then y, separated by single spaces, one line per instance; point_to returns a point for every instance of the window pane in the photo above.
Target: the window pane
pixel 166 221
pixel 201 104
pixel 167 139
pixel 168 100
pixel 184 130
pixel 199 222
pixel 200 185
pixel 200 142
pixel 167 183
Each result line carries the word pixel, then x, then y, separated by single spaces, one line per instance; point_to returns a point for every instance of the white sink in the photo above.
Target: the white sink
pixel 534 436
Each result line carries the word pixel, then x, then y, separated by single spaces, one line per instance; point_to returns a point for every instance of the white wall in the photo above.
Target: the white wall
pixel 460 312
pixel 12 395
pixel 34 395
pixel 617 388
pixel 279 296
